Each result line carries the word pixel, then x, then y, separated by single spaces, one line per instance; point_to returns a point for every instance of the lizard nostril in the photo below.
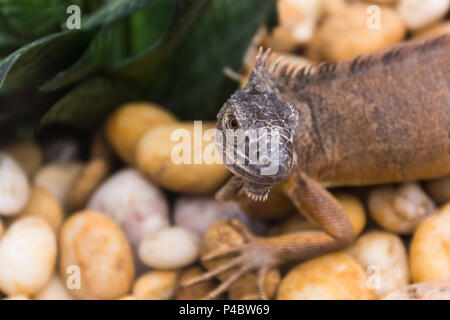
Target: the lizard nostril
pixel 264 161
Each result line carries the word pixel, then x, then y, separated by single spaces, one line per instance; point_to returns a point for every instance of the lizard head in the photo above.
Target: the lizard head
pixel 256 130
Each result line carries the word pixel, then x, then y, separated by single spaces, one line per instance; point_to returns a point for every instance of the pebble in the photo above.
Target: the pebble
pixel 29 156
pixel 127 297
pixel 169 248
pixel 419 14
pixel 43 204
pixel 431 290
pixel 197 291
pixel 136 205
pixel 17 297
pixel 399 209
pixel 155 285
pixel 332 7
pixel 90 177
pixel 58 178
pixel 55 289
pixel 199 213
pixel 434 30
pixel 27 256
pixel 354 210
pixel 94 245
pixel 430 249
pixel 345 34
pixel 14 186
pixel 294 223
pixel 335 276
pixel 297 23
pixel 130 122
pixel 222 236
pixel 246 287
pixel 98 167
pixel 439 189
pixel 387 2
pixel 384 258
pixel 160 157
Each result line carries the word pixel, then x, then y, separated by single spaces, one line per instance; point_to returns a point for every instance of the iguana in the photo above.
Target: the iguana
pixel 379 118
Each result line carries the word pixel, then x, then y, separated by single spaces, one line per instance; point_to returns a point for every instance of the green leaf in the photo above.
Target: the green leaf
pixel 91 5
pixel 7 39
pixel 30 64
pixel 105 46
pixel 24 108
pixel 111 12
pixel 88 103
pixel 145 29
pixel 149 25
pixel 141 68
pixel 36 61
pixel 119 42
pixel 34 18
pixel 191 83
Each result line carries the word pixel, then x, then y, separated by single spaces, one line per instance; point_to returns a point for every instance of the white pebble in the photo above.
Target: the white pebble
pixel 2 228
pixel 419 13
pixel 400 209
pixel 384 258
pixel 17 297
pixel 14 186
pixel 170 248
pixel 137 206
pixel 430 290
pixel 55 289
pixel 57 178
pixel 199 213
pixel 27 256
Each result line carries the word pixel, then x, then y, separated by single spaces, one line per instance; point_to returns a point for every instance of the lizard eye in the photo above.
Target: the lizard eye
pixel 232 123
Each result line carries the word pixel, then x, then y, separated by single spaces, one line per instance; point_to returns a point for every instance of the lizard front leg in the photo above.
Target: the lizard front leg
pixel 262 254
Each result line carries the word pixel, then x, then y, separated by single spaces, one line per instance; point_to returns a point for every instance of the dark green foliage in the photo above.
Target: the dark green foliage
pixel 168 51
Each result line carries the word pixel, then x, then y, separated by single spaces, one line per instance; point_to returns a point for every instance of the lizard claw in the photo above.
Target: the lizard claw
pixel 221 254
pixel 244 262
pixel 210 274
pixel 261 277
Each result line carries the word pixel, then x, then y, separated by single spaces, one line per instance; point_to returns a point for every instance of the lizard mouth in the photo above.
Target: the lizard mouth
pixel 236 185
pixel 257 192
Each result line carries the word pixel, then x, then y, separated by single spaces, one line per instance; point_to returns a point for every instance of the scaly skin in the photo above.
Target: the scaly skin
pixel 375 119
pixel 378 119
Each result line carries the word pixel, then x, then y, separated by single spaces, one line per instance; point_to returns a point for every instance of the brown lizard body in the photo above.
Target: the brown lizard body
pixel 375 119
